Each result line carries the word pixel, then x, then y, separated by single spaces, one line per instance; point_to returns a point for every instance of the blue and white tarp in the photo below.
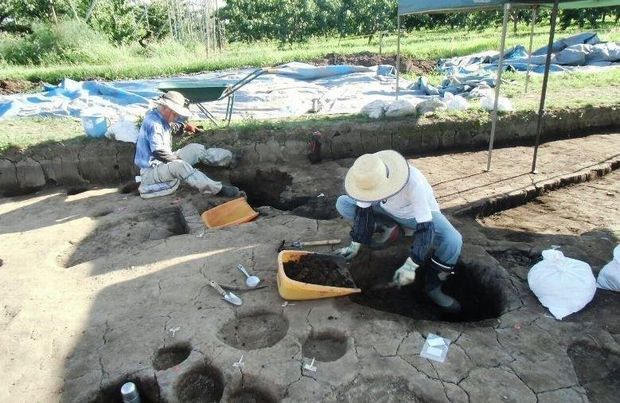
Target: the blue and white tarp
pixel 296 89
pixel 579 52
pixel 292 90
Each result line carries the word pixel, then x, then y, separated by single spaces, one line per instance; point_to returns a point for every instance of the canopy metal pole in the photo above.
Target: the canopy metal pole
pixel 554 14
pixel 500 67
pixel 529 57
pixel 397 55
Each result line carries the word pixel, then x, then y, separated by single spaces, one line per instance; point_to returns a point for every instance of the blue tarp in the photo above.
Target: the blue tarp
pixel 70 97
pixel 465 73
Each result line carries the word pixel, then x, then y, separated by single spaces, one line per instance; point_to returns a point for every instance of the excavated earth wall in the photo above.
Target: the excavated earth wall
pixel 109 162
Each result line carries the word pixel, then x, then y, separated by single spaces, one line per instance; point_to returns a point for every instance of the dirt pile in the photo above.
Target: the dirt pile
pixel 8 87
pixel 407 64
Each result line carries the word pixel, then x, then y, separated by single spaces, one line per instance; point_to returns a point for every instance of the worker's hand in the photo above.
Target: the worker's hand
pixel 190 128
pixel 405 274
pixel 349 252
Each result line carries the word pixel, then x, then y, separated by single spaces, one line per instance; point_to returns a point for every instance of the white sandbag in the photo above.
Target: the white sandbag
pixel 430 105
pixel 503 103
pixel 599 53
pixel 614 52
pixel 124 130
pixel 609 276
pixel 573 55
pixel 562 284
pixel 400 108
pixel 374 110
pixel 455 102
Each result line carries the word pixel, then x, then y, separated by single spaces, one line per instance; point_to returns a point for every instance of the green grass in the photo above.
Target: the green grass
pixel 22 133
pixel 566 90
pixel 167 59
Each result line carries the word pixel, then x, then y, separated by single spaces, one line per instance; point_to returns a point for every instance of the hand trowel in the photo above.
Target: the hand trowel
pixel 227 295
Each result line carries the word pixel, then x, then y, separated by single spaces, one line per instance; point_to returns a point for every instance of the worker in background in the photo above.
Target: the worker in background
pixel 384 183
pixel 161 169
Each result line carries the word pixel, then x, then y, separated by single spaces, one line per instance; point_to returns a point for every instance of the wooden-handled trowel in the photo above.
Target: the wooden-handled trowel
pixel 227 295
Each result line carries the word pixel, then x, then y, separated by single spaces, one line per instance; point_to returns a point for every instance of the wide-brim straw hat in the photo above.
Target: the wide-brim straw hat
pixel 175 101
pixel 377 176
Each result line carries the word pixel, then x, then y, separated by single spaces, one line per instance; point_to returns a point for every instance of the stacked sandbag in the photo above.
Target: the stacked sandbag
pixel 609 276
pixel 562 284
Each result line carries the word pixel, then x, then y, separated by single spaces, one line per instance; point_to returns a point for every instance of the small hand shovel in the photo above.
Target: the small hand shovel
pixel 228 296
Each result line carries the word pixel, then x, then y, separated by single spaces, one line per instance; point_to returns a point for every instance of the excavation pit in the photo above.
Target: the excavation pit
pixel 275 188
pixel 265 187
pixel 77 190
pixel 254 331
pixel 515 261
pixel 478 290
pixel 128 232
pixel 325 346
pixel 200 384
pixel 147 388
pixel 168 357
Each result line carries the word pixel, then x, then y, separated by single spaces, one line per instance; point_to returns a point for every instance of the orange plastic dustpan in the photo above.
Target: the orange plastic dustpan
pixel 290 289
pixel 233 212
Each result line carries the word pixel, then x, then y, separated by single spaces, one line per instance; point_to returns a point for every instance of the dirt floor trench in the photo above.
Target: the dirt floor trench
pixel 102 287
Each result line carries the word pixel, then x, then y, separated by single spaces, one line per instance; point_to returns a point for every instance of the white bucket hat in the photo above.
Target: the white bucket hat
pixel 175 101
pixel 377 176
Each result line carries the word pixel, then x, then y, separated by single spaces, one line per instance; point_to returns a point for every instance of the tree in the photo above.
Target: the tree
pixel 117 20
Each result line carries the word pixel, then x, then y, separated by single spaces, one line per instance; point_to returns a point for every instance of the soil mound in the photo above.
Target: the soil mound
pixel 407 64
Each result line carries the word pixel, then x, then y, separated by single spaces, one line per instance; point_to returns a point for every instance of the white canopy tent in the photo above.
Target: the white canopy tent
pixel 406 7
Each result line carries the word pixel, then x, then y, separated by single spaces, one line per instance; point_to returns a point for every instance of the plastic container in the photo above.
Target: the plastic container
pixel 296 290
pixel 129 393
pixel 95 125
pixel 234 212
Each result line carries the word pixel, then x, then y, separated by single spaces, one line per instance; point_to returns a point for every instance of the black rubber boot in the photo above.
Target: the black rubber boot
pixel 229 191
pixel 436 275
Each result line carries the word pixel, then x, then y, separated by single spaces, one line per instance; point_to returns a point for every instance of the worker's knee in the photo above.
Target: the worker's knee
pixel 180 169
pixel 193 148
pixel 454 243
pixel 346 207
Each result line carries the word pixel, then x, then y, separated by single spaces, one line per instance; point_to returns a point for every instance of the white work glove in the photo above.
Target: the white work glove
pixel 349 252
pixel 405 274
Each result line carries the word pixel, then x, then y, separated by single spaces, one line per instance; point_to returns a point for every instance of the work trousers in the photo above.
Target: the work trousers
pixel 183 168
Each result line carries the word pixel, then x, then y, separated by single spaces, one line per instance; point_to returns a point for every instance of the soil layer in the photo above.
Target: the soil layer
pixel 407 64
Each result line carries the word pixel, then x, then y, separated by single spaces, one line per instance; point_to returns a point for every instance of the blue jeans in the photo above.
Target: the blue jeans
pixel 446 243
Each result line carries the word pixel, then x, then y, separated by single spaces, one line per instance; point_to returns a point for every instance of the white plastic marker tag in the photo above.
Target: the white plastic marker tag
pixel 239 364
pixel 310 367
pixel 435 348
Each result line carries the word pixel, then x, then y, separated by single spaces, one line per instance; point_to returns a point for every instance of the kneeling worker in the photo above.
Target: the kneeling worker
pixel 385 184
pixel 161 169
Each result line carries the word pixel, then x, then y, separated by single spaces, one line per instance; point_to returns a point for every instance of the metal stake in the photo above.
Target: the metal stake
pixel 554 14
pixel 397 56
pixel 529 57
pixel 500 67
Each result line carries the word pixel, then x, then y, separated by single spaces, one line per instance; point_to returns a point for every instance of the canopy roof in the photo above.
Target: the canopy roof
pixel 443 6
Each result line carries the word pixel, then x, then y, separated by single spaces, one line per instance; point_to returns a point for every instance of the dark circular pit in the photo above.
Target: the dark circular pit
pixel 200 384
pixel 253 331
pixel 168 357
